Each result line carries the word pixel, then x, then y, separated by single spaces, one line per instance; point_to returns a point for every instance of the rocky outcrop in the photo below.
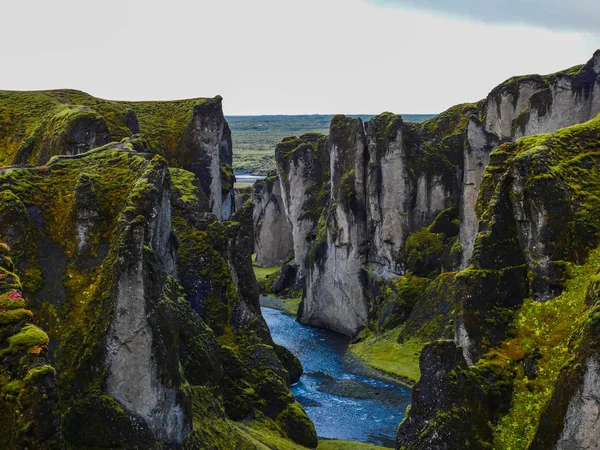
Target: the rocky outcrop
pixel 448 395
pixel 303 170
pixel 417 174
pixel 191 134
pixel 534 225
pixel 524 106
pixel 28 396
pixel 335 294
pixel 274 243
pixel 571 417
pixel 205 150
pixel 150 304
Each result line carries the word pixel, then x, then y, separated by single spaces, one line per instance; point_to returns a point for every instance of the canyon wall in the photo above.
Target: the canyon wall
pixel 129 309
pixel 274 242
pixel 406 177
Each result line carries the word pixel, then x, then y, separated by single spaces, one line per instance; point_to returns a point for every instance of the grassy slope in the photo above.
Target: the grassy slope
pixel 345 445
pixel 267 439
pixel 548 326
pixel 255 137
pixel 161 122
pixel 383 352
pixel 287 305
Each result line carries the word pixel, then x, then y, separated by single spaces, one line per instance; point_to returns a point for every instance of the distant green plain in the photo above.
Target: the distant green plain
pixel 255 137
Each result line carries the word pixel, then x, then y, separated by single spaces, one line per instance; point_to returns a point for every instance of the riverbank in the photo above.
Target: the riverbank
pixel 384 353
pixel 343 397
pixel 381 353
pixel 287 305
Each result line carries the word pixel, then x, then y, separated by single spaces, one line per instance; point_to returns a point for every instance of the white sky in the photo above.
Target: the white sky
pixel 275 56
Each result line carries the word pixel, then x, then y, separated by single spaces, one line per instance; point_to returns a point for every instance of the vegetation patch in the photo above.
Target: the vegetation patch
pixel 543 329
pixel 334 444
pixel 383 352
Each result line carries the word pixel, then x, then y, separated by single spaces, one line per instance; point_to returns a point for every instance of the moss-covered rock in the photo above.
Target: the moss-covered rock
pixel 448 396
pixel 190 134
pixel 29 416
pixel 108 236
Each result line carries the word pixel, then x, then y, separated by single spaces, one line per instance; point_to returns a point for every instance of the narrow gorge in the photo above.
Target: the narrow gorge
pixel 458 257
pixel 456 253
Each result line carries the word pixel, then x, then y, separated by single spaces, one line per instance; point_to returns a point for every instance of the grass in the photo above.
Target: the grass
pixel 287 305
pixel 334 444
pixel 268 439
pixel 548 326
pixel 262 272
pixel 383 352
pixel 265 438
pixel 291 305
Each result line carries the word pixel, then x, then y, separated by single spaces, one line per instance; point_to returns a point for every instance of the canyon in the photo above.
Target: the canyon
pixel 467 245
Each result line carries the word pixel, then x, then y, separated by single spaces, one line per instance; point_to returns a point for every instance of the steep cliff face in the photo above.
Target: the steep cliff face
pixel 150 306
pixel 422 182
pixel 389 182
pixel 191 134
pixel 303 170
pixel 570 418
pixel 524 106
pixel 335 294
pixel 526 305
pixel 274 243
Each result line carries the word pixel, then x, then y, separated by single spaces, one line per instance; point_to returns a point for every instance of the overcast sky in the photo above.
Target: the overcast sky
pixel 292 57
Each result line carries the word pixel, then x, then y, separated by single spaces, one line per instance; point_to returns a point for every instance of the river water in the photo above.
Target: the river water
pixel 343 398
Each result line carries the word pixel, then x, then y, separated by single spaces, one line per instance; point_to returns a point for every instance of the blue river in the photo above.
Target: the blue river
pixel 343 398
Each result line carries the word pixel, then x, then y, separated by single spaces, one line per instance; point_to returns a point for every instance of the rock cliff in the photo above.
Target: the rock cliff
pixel 273 236
pixel 418 185
pixel 335 295
pixel 191 134
pixel 526 307
pixel 141 325
pixel 475 231
pixel 303 170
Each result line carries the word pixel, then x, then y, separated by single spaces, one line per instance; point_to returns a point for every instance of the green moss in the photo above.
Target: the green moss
pixel 263 272
pixel 298 426
pixel 33 375
pixel 423 252
pixel 164 123
pixel 12 387
pixel 549 327
pixel 15 315
pixel 34 123
pixel 451 122
pixel 184 183
pixel 393 300
pixel 264 438
pixel 383 352
pixel 227 177
pixel 29 337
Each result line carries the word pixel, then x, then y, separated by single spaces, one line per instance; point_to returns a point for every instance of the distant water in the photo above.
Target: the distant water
pixel 331 374
pixel 246 178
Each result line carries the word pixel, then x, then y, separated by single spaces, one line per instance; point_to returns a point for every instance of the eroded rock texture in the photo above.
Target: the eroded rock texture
pixel 274 242
pixel 418 185
pixel 148 328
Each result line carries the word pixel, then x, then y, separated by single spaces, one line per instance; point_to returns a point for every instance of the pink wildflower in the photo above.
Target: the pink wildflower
pixel 14 295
